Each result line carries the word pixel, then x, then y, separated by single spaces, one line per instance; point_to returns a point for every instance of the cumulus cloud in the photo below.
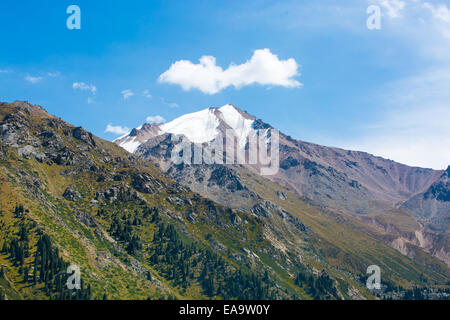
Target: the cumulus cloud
pixel 85 87
pixel 264 68
pixel 127 94
pixel 33 79
pixel 155 119
pixel 116 129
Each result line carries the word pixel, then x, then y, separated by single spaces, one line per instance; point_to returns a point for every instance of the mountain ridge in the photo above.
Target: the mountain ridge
pixel 311 151
pixel 352 182
pixel 136 233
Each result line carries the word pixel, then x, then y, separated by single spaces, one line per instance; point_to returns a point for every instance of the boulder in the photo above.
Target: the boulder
pixel 70 194
pixel 81 134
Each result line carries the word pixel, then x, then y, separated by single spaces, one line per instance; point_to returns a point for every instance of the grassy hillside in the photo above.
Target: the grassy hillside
pixel 101 208
pixel 136 234
pixel 344 242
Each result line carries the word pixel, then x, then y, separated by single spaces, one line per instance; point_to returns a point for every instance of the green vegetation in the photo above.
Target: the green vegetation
pixel 136 234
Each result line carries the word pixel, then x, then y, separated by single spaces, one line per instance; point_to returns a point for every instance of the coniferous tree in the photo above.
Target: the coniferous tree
pixel 5 247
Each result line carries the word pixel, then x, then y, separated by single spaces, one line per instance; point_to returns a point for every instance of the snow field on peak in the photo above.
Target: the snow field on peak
pixel 198 127
pixel 130 144
pixel 201 127
pixel 242 127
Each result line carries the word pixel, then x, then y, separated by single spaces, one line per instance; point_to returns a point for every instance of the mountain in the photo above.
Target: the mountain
pixel 432 210
pixel 68 197
pixel 367 188
pixel 199 127
pixel 432 207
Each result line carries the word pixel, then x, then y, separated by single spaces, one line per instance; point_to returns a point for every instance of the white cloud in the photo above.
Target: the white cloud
pixel 85 87
pixel 393 7
pixel 33 79
pixel 54 74
pixel 170 104
pixel 4 71
pixel 263 68
pixel 440 12
pixel 116 129
pixel 440 22
pixel 155 119
pixel 146 94
pixel 90 100
pixel 127 94
pixel 424 27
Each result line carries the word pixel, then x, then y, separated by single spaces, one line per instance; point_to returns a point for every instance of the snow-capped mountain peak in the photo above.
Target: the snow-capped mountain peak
pixel 199 127
pixel 241 125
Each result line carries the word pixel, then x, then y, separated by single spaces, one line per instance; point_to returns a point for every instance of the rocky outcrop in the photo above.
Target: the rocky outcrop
pixel 432 207
pixel 80 134
pixel 179 201
pixel 288 163
pixel 281 195
pixel 85 219
pixel 145 183
pixel 119 193
pixel 225 178
pixel 268 209
pixel 70 194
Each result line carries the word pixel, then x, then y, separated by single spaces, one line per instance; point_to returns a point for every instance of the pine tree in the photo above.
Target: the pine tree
pixel 5 247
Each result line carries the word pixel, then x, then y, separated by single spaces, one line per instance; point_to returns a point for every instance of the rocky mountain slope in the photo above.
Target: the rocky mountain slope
pixel 70 198
pixel 432 207
pixel 432 211
pixel 368 188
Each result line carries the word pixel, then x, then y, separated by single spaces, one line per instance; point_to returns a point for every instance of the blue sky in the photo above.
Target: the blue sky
pixel 382 91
